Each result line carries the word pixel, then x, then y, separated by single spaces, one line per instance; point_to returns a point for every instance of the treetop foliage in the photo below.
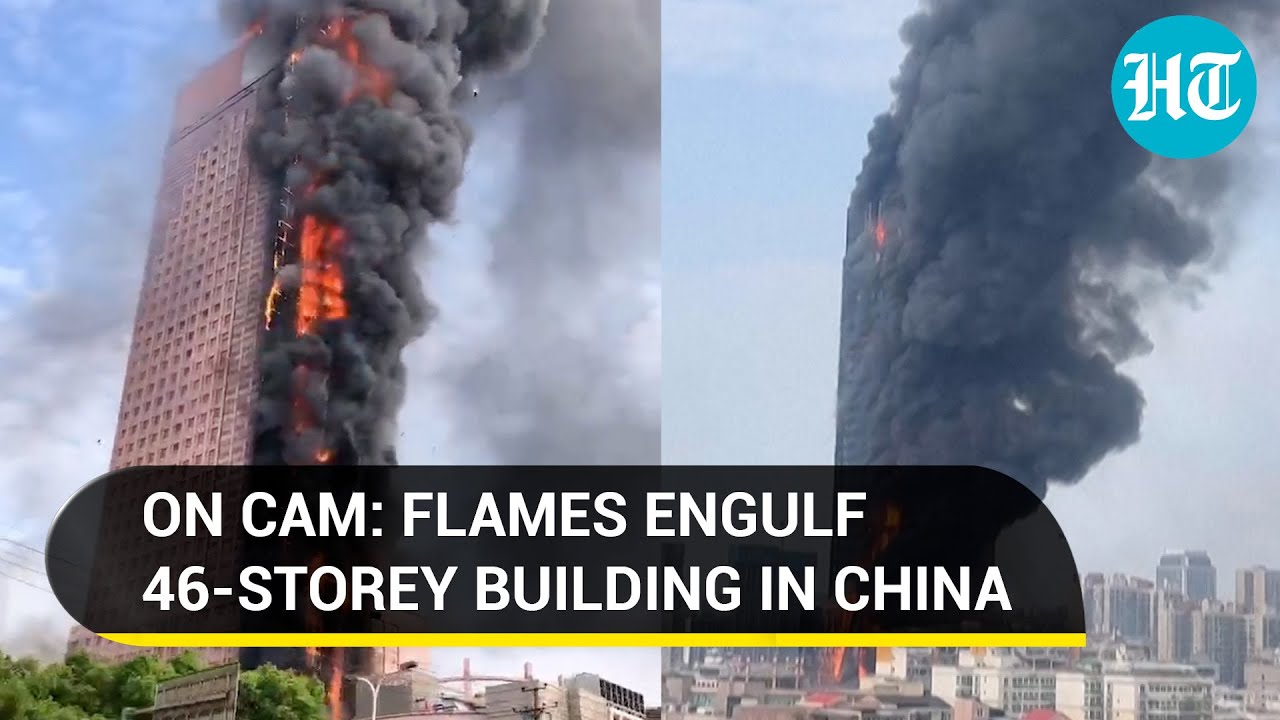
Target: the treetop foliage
pixel 83 689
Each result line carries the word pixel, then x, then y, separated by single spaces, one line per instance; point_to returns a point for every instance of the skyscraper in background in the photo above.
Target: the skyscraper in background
pixel 1257 590
pixel 1189 573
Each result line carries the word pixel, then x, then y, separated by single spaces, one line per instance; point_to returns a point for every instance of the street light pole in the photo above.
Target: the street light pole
pixel 375 689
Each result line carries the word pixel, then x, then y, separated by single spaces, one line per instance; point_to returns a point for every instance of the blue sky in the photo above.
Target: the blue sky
pixel 783 142
pixel 764 117
pixel 766 108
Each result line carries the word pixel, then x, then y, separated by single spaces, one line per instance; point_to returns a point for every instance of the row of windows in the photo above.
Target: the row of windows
pixel 190 386
pixel 178 406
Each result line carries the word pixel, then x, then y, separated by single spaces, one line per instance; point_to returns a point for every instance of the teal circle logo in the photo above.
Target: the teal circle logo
pixel 1184 87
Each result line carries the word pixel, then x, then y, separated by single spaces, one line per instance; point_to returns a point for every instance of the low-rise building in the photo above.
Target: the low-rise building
pixel 1125 690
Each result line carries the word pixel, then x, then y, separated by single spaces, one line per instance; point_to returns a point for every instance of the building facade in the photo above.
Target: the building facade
pixel 1258 590
pixel 1222 637
pixel 190 386
pixel 594 698
pixel 1134 691
pixel 1120 607
pixel 913 665
pixel 1189 573
pixel 192 369
pixel 1262 683
pixel 1008 680
pixel 1174 627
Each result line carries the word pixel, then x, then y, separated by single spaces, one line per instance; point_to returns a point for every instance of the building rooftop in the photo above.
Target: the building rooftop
pixel 1188 558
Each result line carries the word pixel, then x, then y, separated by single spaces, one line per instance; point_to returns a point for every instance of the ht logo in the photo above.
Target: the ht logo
pixel 1184 87
pixel 1211 106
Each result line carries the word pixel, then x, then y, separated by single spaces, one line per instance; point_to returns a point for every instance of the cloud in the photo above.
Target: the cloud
pixel 61 57
pixel 23 219
pixel 42 124
pixel 835 46
pixel 73 233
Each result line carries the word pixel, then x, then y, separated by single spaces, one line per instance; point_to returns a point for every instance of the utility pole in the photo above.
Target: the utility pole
pixel 537 709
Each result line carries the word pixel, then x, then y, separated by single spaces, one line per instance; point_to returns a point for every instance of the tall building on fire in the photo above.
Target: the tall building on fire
pixel 865 236
pixel 193 370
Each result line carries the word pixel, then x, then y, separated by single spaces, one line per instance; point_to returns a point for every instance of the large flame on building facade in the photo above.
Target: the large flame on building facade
pixel 887 523
pixel 313 243
pixel 359 131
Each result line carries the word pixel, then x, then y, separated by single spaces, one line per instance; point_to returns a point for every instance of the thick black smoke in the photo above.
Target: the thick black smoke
pixel 381 169
pixel 1016 215
pixel 552 384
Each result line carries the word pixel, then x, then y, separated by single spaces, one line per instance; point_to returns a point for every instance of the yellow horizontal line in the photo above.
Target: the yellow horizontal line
pixel 599 639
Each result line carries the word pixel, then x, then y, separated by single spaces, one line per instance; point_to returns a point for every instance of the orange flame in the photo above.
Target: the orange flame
pixel 835 656
pixel 881 234
pixel 319 298
pixel 334 694
pixel 320 295
pixel 321 292
pixel 371 80
pixel 255 29
pixel 889 523
pixel 890 526
pixel 272 299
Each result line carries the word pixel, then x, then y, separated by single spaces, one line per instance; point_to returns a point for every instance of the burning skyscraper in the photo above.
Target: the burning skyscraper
pixel 1002 235
pixel 303 170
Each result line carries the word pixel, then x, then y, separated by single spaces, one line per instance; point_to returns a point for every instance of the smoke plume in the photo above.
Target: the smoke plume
pixel 361 126
pixel 1003 233
pixel 552 384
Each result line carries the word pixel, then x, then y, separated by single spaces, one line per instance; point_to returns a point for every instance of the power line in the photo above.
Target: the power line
pixel 24 546
pixel 43 554
pixel 14 559
pixel 24 582
pixel 11 567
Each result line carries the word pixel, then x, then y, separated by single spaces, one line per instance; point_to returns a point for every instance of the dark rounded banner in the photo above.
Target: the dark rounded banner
pixel 797 556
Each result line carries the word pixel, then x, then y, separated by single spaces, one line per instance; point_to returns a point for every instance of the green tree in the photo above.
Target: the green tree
pixel 84 689
pixel 269 693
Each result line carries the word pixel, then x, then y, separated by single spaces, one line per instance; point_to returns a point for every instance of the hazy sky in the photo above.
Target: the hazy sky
pixel 766 108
